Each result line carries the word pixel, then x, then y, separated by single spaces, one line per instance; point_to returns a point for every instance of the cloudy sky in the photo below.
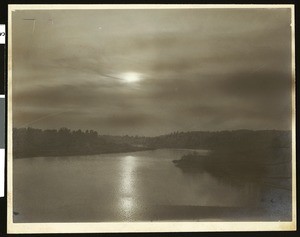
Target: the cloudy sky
pixel 151 72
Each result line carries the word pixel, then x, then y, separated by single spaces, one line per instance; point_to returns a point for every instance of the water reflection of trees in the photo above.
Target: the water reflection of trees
pixel 236 164
pixel 255 171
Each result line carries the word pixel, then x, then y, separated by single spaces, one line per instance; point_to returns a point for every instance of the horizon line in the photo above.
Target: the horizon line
pixel 165 134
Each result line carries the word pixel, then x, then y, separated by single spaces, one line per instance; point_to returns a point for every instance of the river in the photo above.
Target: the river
pixel 136 186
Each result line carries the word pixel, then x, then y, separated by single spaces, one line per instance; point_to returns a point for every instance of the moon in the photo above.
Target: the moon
pixel 131 77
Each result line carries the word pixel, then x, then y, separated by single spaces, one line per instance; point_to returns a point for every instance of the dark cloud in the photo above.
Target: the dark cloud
pixel 201 69
pixel 121 120
pixel 261 86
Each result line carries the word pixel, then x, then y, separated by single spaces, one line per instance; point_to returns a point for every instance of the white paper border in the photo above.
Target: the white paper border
pixel 124 227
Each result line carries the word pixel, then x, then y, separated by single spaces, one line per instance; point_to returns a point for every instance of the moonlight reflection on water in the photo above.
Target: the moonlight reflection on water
pixel 141 186
pixel 127 190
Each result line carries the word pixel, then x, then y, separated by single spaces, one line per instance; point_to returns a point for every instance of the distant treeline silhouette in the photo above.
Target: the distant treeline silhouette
pixel 32 142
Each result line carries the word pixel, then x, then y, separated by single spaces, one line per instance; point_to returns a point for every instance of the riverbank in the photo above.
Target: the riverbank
pixel 267 169
pixel 138 149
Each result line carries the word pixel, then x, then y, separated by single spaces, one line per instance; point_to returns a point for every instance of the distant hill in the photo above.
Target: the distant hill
pixel 31 142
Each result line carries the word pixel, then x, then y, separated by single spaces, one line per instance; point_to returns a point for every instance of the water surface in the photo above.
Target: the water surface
pixel 137 186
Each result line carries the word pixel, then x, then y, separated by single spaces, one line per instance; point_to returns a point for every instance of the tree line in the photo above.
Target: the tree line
pixel 31 142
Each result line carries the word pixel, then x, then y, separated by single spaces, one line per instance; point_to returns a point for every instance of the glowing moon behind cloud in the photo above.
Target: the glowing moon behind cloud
pixel 131 77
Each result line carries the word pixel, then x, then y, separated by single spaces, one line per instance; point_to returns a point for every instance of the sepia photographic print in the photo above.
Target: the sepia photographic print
pixel 151 118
